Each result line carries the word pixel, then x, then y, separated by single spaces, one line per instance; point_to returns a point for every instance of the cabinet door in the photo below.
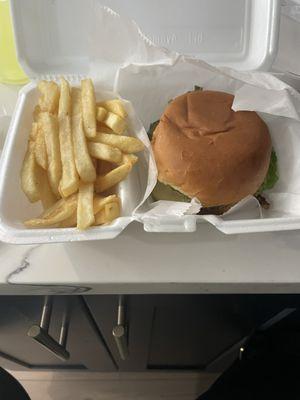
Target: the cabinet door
pixel 183 331
pixel 138 322
pixel 84 341
pixel 206 331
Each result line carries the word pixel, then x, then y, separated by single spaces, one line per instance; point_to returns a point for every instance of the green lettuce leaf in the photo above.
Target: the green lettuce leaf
pixel 272 175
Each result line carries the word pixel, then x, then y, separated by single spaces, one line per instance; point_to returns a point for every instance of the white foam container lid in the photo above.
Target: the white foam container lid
pixel 51 41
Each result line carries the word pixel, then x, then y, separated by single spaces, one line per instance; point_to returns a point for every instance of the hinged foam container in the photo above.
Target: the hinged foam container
pixel 51 42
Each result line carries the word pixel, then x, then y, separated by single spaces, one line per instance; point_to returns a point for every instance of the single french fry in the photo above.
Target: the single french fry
pixel 69 180
pixel 40 150
pixel 49 96
pixel 70 222
pixel 76 108
pixel 49 125
pixel 100 218
pixel 101 114
pixel 60 211
pixel 83 161
pixel 85 207
pixel 105 152
pixel 36 113
pixel 100 202
pixel 64 106
pixel 34 131
pixel 130 159
pixel 113 177
pixel 48 198
pixel 115 106
pixel 30 178
pixel 115 123
pixel 110 212
pixel 88 102
pixel 126 144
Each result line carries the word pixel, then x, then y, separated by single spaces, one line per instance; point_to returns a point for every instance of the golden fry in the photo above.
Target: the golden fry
pixel 70 222
pixel 99 204
pixel 48 198
pixel 110 212
pixel 126 144
pixel 88 102
pixel 40 150
pixel 105 152
pixel 85 207
pixel 115 123
pixel 83 161
pixel 60 211
pixel 114 106
pixel 64 106
pixel 69 181
pixel 49 96
pixel 36 113
pixel 49 125
pixel 129 158
pixel 113 177
pixel 30 178
pixel 101 114
pixel 34 131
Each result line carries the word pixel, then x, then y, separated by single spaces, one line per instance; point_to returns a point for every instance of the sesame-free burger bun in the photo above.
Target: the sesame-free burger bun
pixel 206 150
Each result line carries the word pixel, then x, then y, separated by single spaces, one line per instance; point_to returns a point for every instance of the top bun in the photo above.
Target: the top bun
pixel 206 150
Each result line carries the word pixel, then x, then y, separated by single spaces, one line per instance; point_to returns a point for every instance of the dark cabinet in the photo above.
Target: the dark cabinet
pixel 153 332
pixel 183 332
pixel 84 340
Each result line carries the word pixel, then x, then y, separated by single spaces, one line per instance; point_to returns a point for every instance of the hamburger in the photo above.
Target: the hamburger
pixel 205 150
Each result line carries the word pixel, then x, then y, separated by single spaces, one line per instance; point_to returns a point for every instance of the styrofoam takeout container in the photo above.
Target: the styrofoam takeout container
pixel 51 42
pixel 14 205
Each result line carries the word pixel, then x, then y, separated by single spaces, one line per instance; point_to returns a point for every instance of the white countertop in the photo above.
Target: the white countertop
pixel 206 261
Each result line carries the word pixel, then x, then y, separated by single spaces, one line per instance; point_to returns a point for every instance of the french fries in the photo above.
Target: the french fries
pixel 64 105
pixel 49 96
pixel 88 102
pixel 36 113
pixel 61 210
pixel 114 106
pixel 101 114
pixel 99 204
pixel 40 150
pixel 85 207
pixel 69 181
pixel 47 197
pixel 34 131
pixel 49 126
pixel 130 159
pixel 68 162
pixel 30 175
pixel 105 152
pixel 110 212
pixel 103 128
pixel 83 161
pixel 113 177
pixel 126 144
pixel 114 122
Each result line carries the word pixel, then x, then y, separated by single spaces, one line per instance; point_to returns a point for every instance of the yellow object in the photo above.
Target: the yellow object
pixel 10 70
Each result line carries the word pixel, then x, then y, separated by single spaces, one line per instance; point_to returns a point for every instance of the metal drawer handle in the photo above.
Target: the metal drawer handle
pixel 41 335
pixel 120 331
